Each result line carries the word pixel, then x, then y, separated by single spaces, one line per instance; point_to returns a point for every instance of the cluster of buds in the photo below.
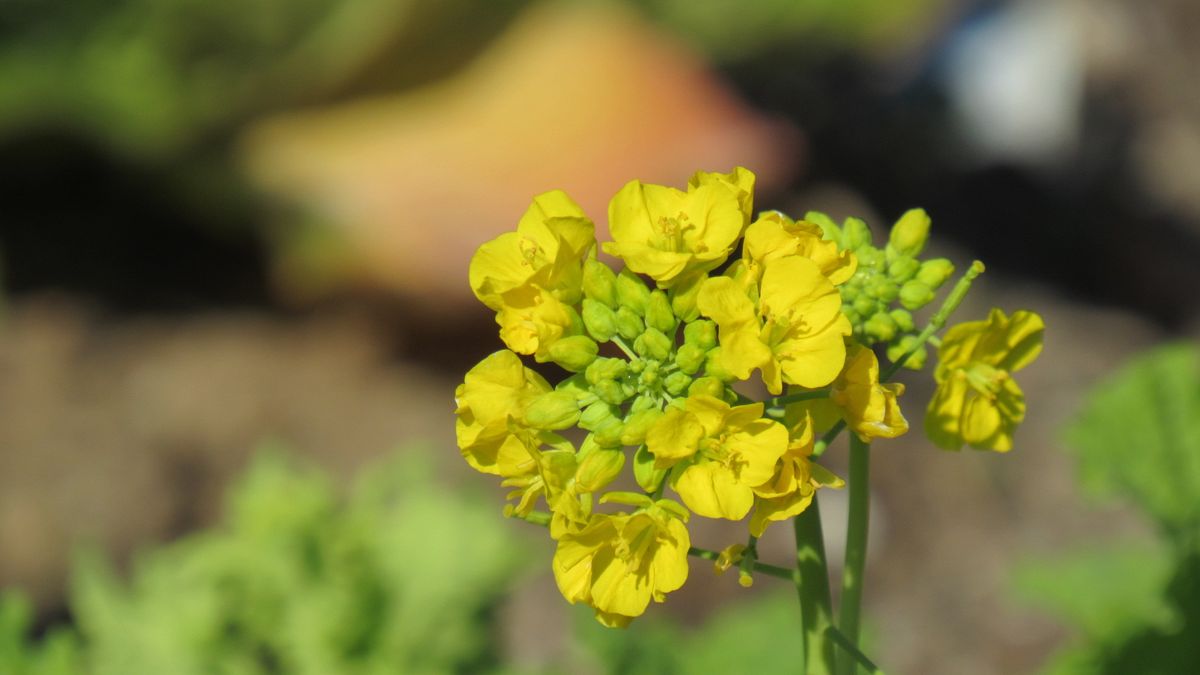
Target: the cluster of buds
pixel 652 352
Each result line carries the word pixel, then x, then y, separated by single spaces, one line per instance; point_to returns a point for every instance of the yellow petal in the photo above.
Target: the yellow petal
pixel 944 412
pixel 675 436
pixel 711 490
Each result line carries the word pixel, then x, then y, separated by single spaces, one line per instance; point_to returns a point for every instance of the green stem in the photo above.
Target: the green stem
pixel 616 339
pixel 812 585
pixel 836 635
pixel 821 445
pixel 769 570
pixel 856 546
pixel 939 318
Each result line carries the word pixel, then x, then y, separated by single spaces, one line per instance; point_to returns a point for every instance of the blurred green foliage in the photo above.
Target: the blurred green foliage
pixel 1136 606
pixel 397 579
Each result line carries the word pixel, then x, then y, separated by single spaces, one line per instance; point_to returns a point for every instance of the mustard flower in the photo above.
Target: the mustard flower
pixel 490 404
pixel 793 483
pixel 618 563
pixel 717 453
pixel 795 331
pixel 774 235
pixel 977 402
pixel 676 237
pixel 870 409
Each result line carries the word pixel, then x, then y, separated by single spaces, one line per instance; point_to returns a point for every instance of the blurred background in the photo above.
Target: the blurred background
pixel 234 240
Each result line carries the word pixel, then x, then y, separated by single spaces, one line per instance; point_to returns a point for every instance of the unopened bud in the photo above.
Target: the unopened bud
pixel 609 433
pixel 599 319
pixel 652 344
pixel 714 367
pixel 880 327
pixel 901 347
pixel 702 333
pixel 689 358
pixel 707 386
pixel 611 391
pixel 629 324
pixel 903 268
pixel 910 233
pixel 647 476
pixel 637 424
pixel 599 282
pixel 552 411
pixel 632 292
pixel 677 383
pixel 604 368
pixel 574 353
pixel 903 319
pixel 914 295
pixel 599 468
pixel 829 229
pixel 855 234
pixel 658 313
pixel 865 305
pixel 598 414
pixel 935 272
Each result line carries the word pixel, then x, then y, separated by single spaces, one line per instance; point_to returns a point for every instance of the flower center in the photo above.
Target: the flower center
pixel 985 379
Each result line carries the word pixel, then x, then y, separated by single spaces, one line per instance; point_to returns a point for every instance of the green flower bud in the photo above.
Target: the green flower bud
pixel 611 391
pixel 865 305
pixel 658 313
pixel 829 229
pixel 648 477
pixel 881 288
pixel 577 384
pixel 910 233
pixel 683 300
pixel 604 369
pixel 707 386
pixel 599 319
pixel 903 319
pixel 637 424
pixel 901 347
pixel 574 353
pixel 870 259
pixel 880 327
pixel 677 383
pixel 644 402
pixel 609 433
pixel 598 414
pixel 651 376
pixel 629 324
pixel 599 468
pixel 852 315
pixel 632 292
pixel 903 268
pixel 599 282
pixel 553 410
pixel 855 234
pixel 652 344
pixel 713 367
pixel 690 358
pixel 915 295
pixel 702 333
pixel 935 272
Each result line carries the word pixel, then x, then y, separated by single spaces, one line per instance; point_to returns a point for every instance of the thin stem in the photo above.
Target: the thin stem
pixel 841 641
pixel 616 339
pixel 939 318
pixel 823 444
pixel 769 570
pixel 749 558
pixel 857 523
pixel 796 397
pixel 812 585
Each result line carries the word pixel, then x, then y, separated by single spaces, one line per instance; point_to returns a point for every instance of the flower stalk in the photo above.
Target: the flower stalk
pixel 857 524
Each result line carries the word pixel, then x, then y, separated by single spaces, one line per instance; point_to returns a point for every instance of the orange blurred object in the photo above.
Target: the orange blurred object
pixel 573 96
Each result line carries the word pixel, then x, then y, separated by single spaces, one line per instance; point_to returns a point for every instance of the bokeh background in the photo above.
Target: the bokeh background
pixel 230 225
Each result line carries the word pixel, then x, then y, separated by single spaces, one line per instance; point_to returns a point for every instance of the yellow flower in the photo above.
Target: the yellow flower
pixel 977 402
pixel 718 453
pixel 618 563
pixel 492 397
pixel 546 251
pixel 675 237
pixel 774 235
pixel 794 334
pixel 795 480
pixel 870 409
pixel 532 319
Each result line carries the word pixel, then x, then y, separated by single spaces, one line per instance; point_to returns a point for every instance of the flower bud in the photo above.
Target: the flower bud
pixel 552 411
pixel 702 333
pixel 903 319
pixel 609 433
pixel 574 353
pixel 829 229
pixel 606 369
pixel 598 414
pixel 852 314
pixel 658 313
pixel 632 292
pixel 599 468
pixel 865 305
pixel 689 358
pixel 599 282
pixel 643 402
pixel 883 289
pixel 707 386
pixel 714 368
pixel 611 391
pixel 677 383
pixel 855 234
pixel 647 477
pixel 652 344
pixel 935 272
pixel 651 376
pixel 899 348
pixel 910 233
pixel 599 319
pixel 903 268
pixel 683 300
pixel 629 324
pixel 914 295
pixel 637 424
pixel 880 327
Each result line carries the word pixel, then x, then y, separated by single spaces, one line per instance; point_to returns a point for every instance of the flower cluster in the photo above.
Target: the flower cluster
pixel 707 295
